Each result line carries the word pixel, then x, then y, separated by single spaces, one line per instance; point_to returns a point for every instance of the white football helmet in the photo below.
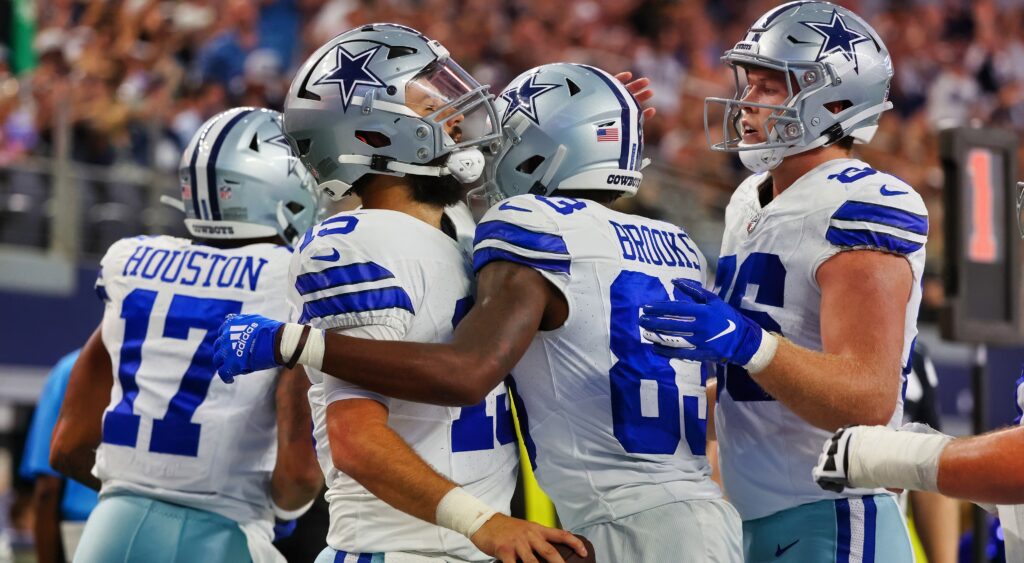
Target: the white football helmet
pixel 567 127
pixel 830 55
pixel 384 99
pixel 240 179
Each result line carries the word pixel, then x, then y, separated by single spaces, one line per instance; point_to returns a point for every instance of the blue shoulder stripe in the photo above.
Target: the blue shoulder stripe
pixel 882 215
pixel 485 256
pixel 523 238
pixel 861 237
pixel 357 302
pixel 349 274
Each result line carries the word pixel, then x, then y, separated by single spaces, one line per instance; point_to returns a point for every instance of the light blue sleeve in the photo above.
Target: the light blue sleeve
pixel 36 458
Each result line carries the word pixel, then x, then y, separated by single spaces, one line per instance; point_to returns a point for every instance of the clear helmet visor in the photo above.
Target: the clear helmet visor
pixel 451 100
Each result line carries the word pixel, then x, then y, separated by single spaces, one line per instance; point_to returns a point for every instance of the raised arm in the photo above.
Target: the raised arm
pixel 79 428
pixel 513 302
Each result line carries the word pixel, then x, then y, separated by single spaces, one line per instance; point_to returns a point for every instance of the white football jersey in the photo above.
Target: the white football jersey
pixel 173 430
pixel 405 280
pixel 613 428
pixel 768 265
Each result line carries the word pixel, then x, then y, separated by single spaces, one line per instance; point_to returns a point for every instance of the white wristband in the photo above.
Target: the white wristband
pixel 764 354
pixel 883 457
pixel 462 512
pixel 286 515
pixel 312 353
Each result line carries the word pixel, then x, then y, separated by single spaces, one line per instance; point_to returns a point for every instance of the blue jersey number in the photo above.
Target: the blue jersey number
pixel 563 205
pixel 767 272
pixel 648 426
pixel 475 430
pixel 341 225
pixel 175 433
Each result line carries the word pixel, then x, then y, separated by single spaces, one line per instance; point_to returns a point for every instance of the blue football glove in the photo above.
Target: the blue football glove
pixel 702 327
pixel 284 528
pixel 245 343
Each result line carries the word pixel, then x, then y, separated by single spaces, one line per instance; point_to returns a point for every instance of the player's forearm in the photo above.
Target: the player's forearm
pixel 986 468
pixel 937 520
pixel 297 478
pixel 74 461
pixel 79 427
pixel 829 390
pixel 427 373
pixel 408 483
pixel 46 503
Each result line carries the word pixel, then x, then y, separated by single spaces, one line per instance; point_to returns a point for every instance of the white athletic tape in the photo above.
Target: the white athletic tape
pixel 312 354
pixel 765 353
pixel 462 512
pixel 883 457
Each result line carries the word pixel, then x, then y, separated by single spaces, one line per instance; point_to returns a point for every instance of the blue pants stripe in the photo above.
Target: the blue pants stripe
pixel 843 531
pixel 870 520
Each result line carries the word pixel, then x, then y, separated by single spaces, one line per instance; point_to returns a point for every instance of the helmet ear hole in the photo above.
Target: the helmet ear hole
pixel 395 52
pixel 572 86
pixel 530 165
pixel 838 106
pixel 254 144
pixel 303 146
pixel 295 207
pixel 373 138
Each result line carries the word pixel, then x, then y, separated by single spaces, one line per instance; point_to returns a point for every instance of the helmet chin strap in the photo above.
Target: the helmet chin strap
pixel 763 160
pixel 466 165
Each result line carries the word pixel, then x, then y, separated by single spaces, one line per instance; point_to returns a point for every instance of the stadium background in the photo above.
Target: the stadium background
pixel 97 100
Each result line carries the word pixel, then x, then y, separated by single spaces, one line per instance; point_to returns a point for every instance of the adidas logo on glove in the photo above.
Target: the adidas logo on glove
pixel 240 335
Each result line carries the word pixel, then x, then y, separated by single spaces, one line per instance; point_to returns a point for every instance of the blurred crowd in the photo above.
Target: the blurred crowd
pixel 136 78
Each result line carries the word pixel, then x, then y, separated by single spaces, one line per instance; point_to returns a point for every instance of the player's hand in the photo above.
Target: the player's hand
pixel 842 454
pixel 700 327
pixel 245 343
pixel 832 471
pixel 640 88
pixel 510 540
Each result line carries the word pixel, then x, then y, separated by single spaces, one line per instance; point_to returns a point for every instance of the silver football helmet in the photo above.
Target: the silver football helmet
pixel 240 179
pixel 830 55
pixel 384 99
pixel 567 127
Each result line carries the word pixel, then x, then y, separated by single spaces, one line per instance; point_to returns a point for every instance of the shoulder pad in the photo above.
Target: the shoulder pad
pixel 524 229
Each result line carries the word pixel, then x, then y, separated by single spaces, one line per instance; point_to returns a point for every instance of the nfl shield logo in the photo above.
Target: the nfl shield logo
pixel 225 192
pixel 752 224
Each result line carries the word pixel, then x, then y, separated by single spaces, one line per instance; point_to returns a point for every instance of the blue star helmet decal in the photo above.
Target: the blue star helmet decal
pixel 282 141
pixel 524 99
pixel 349 72
pixel 838 39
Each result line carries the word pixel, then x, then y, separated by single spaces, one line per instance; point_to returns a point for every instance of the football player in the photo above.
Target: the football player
pixel 616 434
pixel 191 469
pixel 383 112
pixel 817 287
pixel 984 469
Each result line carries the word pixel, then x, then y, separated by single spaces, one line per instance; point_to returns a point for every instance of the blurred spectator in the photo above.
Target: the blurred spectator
pixel 222 59
pixel 61 505
pixel 134 79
